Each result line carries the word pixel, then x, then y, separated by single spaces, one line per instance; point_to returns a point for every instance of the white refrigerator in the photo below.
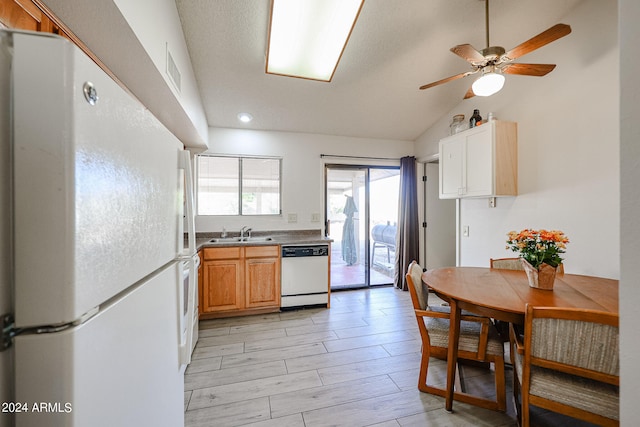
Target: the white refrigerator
pixel 104 288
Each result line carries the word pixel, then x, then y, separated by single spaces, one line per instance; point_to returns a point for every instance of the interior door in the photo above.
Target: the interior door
pixel 440 217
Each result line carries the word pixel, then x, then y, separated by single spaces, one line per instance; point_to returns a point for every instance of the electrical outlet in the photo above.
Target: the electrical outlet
pixel 465 230
pixel 292 217
pixel 492 202
pixel 315 217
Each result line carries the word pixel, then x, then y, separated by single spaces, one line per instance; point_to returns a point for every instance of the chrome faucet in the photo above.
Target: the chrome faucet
pixel 243 230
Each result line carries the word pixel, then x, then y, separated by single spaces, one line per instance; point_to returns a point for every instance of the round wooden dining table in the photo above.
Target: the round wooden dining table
pixel 504 295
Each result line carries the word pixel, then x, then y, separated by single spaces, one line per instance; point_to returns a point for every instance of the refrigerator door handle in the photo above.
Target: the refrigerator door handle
pixel 187 340
pixel 189 201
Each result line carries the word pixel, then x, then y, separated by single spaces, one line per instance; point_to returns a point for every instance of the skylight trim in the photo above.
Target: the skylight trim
pixel 309 30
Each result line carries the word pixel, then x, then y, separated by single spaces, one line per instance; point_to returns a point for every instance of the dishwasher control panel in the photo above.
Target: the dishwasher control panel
pixel 305 251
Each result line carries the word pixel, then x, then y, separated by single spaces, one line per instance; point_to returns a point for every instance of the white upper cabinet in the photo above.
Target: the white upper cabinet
pixel 480 162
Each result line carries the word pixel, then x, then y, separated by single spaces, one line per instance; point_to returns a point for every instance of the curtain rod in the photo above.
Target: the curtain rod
pixel 358 157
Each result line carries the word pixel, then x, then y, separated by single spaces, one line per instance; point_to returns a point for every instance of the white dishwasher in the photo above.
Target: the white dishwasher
pixel 305 275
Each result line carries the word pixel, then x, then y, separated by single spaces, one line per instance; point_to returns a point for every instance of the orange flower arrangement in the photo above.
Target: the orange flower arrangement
pixel 538 246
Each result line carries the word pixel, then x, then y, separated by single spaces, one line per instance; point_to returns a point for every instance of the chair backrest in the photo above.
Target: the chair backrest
pixel 577 341
pixel 514 264
pixel 418 290
pixel 507 263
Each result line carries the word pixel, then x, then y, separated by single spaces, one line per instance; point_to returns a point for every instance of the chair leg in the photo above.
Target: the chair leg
pixel 501 393
pixel 516 397
pixel 496 405
pixel 424 367
pixel 524 409
pixel 459 380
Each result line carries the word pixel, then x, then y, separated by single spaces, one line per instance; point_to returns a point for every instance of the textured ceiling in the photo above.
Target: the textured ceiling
pixel 396 46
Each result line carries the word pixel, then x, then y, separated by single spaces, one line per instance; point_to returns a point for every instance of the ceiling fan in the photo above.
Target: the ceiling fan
pixel 493 61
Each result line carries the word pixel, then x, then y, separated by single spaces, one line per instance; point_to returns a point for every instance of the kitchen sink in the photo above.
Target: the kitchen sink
pixel 225 240
pixel 257 239
pixel 240 239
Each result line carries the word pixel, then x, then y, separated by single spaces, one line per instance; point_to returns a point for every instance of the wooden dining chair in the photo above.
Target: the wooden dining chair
pixel 510 264
pixel 479 342
pixel 567 362
pixel 514 264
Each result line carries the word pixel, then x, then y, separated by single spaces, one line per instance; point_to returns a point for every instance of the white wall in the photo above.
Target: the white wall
pixel 302 171
pixel 629 212
pixel 130 37
pixel 568 150
pixel 156 31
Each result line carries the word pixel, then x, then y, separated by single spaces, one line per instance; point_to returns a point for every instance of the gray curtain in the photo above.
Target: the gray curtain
pixel 408 238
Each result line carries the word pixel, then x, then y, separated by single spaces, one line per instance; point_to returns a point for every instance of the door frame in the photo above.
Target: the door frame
pixel 454 210
pixel 367 219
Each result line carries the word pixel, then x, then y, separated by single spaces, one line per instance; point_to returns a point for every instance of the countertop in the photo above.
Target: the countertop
pixel 278 237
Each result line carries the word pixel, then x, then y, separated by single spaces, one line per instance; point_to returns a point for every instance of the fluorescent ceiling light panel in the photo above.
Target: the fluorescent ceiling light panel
pixel 307 37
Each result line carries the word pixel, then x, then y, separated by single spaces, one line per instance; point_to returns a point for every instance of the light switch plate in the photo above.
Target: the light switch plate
pixel 465 230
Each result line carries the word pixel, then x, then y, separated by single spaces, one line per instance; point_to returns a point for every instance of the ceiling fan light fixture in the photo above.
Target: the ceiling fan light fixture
pixel 307 37
pixel 489 83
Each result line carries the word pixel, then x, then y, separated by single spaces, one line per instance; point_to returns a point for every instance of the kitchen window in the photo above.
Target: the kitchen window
pixel 239 185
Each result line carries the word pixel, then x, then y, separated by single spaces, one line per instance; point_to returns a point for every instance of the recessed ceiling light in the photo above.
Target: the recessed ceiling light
pixel 307 37
pixel 245 117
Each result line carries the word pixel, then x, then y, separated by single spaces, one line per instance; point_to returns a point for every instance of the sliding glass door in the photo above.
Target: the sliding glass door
pixel 345 191
pixel 362 213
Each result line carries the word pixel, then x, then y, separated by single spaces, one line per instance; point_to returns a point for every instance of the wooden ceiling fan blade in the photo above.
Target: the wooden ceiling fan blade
pixel 536 42
pixel 537 70
pixel 468 53
pixel 447 80
pixel 469 94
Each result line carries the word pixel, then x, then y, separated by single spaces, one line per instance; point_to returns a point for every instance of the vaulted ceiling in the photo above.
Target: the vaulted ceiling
pixel 396 46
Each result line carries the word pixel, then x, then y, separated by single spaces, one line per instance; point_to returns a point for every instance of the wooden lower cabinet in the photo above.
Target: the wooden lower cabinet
pixel 224 285
pixel 240 280
pixel 200 279
pixel 260 277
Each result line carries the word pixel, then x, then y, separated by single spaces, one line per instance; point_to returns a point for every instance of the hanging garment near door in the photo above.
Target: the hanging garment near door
pixel 349 253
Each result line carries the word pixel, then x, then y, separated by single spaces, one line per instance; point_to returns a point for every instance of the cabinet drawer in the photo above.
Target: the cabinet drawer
pixel 222 253
pixel 261 251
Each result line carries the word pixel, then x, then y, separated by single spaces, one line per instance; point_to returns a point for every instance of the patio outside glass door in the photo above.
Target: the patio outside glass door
pixel 362 214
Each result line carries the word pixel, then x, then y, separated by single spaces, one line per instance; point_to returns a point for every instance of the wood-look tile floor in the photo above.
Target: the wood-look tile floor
pixel 355 364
